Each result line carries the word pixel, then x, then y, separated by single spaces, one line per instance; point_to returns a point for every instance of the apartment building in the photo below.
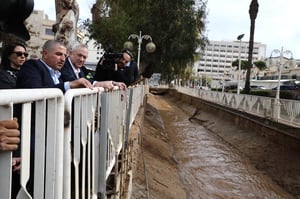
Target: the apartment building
pixel 39 27
pixel 216 60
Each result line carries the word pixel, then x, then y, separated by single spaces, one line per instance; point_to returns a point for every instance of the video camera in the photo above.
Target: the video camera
pixel 108 61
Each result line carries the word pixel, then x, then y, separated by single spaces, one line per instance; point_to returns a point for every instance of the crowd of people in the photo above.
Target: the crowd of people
pixel 60 68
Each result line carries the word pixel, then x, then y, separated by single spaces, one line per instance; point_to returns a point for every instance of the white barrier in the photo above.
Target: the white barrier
pixel 48 106
pixel 81 106
pixel 256 105
pixel 78 139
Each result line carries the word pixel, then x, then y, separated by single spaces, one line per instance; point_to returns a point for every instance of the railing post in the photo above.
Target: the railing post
pixel 5 159
pixel 128 117
pixel 103 144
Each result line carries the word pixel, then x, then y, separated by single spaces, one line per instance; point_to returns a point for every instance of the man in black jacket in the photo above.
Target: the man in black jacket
pixel 110 67
pixel 129 72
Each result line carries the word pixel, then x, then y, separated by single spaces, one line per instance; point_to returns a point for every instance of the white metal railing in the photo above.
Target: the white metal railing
pixel 47 109
pixel 78 138
pixel 97 124
pixel 81 107
pixel 257 105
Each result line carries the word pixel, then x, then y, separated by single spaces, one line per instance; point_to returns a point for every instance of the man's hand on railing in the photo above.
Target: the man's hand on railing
pixel 9 135
pixel 110 84
pixel 121 85
pixel 81 83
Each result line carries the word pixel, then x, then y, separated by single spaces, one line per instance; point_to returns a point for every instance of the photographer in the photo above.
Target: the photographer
pixel 130 73
pixel 109 65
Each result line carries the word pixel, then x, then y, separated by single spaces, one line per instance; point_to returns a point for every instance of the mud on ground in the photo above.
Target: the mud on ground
pixel 155 170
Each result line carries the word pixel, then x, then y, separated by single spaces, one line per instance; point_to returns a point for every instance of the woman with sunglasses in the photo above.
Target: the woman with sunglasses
pixel 12 58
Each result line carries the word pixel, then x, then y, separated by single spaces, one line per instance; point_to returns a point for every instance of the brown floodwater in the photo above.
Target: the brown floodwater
pixel 209 167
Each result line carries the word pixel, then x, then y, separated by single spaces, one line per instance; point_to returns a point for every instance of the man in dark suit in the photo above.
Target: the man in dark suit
pixel 129 72
pixel 74 68
pixel 44 73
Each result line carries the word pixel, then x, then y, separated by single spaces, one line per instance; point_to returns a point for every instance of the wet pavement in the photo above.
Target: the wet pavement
pixel 210 167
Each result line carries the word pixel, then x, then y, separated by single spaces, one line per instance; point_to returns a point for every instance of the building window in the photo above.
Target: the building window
pixel 49 31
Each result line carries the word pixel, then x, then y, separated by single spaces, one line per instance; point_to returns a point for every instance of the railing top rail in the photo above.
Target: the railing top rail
pixel 287 112
pixel 70 94
pixel 21 95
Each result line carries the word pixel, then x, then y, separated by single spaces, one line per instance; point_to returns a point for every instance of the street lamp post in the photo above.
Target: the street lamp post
pixel 223 78
pixel 150 47
pixel 240 37
pixel 281 56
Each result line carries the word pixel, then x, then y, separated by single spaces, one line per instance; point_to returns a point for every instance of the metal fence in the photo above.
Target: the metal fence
pixel 46 106
pixel 288 111
pixel 78 138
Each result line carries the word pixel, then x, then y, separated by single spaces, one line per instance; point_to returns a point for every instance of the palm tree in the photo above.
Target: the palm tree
pixel 253 13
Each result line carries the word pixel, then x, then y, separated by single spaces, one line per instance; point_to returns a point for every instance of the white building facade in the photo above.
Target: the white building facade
pixel 216 60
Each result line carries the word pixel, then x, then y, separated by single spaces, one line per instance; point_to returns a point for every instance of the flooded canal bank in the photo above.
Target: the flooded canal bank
pixel 214 158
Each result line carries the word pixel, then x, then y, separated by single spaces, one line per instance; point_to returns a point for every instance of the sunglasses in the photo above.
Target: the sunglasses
pixel 19 54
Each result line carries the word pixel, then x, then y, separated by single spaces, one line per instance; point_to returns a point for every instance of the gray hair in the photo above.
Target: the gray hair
pixel 77 45
pixel 50 44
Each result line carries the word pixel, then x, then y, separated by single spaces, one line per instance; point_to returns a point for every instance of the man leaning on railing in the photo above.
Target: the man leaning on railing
pixel 44 73
pixel 74 68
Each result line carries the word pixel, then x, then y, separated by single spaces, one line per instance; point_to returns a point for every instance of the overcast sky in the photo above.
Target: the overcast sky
pixel 277 23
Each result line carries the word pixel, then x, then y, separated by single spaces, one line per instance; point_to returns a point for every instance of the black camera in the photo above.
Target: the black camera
pixel 107 65
pixel 108 61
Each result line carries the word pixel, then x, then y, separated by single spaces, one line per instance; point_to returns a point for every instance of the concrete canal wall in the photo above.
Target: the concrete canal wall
pixel 283 134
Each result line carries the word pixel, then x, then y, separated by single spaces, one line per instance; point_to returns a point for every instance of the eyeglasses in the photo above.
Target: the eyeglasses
pixel 19 54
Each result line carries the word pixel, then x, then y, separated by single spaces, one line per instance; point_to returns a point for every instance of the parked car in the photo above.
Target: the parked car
pixel 288 87
pixel 203 88
pixel 254 87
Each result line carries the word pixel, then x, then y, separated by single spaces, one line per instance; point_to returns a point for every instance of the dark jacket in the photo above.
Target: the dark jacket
pixel 128 74
pixel 134 72
pixel 34 74
pixel 8 79
pixel 105 71
pixel 67 72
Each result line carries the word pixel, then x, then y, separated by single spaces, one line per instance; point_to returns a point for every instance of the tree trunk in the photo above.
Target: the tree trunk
pixel 253 13
pixel 97 10
pixel 67 14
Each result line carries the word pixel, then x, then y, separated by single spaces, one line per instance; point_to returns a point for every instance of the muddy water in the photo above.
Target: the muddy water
pixel 209 167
